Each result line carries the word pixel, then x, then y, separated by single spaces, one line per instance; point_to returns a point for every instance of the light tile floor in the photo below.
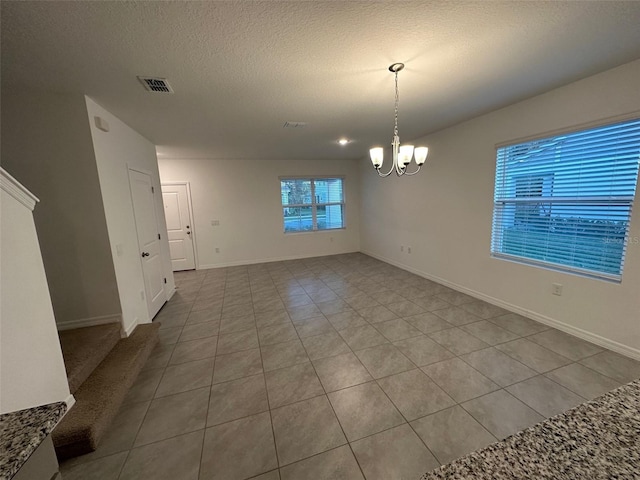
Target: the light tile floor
pixel 316 369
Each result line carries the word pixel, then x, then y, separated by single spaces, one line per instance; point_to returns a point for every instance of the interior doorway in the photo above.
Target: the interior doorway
pixel 176 197
pixel 142 193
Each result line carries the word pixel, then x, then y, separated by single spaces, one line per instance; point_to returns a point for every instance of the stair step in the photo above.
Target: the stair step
pixel 84 349
pixel 99 398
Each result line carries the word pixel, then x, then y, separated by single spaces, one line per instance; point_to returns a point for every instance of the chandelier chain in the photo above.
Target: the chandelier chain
pixel 395 128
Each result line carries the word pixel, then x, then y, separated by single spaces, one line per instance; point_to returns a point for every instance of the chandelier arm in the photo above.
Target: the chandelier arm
pixel 413 173
pixel 384 174
pixel 395 148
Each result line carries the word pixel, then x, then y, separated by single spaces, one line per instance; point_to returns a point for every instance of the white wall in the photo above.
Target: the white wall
pixel 46 145
pixel 244 195
pixel 116 151
pixel 445 214
pixel 31 367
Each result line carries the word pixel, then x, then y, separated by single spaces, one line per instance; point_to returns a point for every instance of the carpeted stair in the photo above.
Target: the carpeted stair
pixel 101 394
pixel 84 349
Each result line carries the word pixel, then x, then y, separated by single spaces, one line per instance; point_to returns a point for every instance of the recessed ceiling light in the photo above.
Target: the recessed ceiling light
pixel 344 141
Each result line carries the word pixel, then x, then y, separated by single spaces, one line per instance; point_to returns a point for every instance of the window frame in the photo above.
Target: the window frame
pixel 498 226
pixel 314 204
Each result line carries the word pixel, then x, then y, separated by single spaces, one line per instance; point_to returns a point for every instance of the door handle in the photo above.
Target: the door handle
pixel 145 254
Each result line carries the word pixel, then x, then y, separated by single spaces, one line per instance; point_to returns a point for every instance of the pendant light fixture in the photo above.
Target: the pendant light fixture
pixel 401 154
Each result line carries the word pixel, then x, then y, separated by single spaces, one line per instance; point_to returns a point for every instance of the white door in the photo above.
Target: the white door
pixel 142 193
pixel 179 226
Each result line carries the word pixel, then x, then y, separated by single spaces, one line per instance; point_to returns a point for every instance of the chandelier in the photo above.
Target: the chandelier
pixel 401 154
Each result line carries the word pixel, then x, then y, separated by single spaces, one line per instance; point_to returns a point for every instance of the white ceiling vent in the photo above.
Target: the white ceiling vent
pixel 155 84
pixel 294 124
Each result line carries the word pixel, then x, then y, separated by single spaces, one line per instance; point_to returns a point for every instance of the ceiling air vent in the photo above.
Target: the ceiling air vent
pixel 294 124
pixel 155 84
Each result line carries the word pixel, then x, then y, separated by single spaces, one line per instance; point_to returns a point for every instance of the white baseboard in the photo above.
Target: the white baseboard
pixel 604 342
pixel 70 401
pixel 170 294
pixel 129 330
pixel 552 322
pixel 89 322
pixel 271 259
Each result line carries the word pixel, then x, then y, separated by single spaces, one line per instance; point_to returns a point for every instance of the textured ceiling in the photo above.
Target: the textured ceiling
pixel 241 69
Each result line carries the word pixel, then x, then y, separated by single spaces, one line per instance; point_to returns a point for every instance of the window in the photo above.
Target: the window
pixel 310 204
pixel 565 202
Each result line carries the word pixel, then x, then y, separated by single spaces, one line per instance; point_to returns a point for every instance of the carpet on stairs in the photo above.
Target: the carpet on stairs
pixel 101 395
pixel 84 349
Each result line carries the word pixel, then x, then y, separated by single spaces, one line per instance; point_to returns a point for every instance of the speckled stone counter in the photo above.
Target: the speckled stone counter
pixel 22 432
pixel 599 439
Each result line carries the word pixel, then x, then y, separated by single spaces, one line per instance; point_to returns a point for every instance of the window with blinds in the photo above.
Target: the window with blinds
pixel 564 202
pixel 310 204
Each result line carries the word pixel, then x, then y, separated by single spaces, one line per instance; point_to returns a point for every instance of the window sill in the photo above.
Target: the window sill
pixel 559 268
pixel 306 232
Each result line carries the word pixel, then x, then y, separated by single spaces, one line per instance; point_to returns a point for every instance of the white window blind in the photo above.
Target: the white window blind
pixel 565 201
pixel 310 204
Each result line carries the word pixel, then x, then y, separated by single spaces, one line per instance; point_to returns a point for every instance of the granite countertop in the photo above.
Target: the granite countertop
pixel 22 432
pixel 599 439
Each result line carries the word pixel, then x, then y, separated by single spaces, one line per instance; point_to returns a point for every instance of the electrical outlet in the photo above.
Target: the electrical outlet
pixel 408 249
pixel 141 294
pixel 331 239
pixel 217 250
pixel 556 289
pixel 402 248
pixel 215 223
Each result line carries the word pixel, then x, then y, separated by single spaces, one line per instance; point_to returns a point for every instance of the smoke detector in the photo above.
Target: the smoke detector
pixel 156 84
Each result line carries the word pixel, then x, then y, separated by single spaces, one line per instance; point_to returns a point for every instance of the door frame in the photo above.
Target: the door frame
pixel 190 209
pixel 155 208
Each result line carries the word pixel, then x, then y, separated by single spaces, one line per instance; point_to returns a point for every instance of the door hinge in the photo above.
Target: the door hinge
pixel 153 190
pixel 165 280
pixel 158 236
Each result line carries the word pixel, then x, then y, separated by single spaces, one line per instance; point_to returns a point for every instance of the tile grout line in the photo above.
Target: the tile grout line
pixel 266 392
pixel 206 418
pixel 333 411
pixel 403 416
pixel 147 411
